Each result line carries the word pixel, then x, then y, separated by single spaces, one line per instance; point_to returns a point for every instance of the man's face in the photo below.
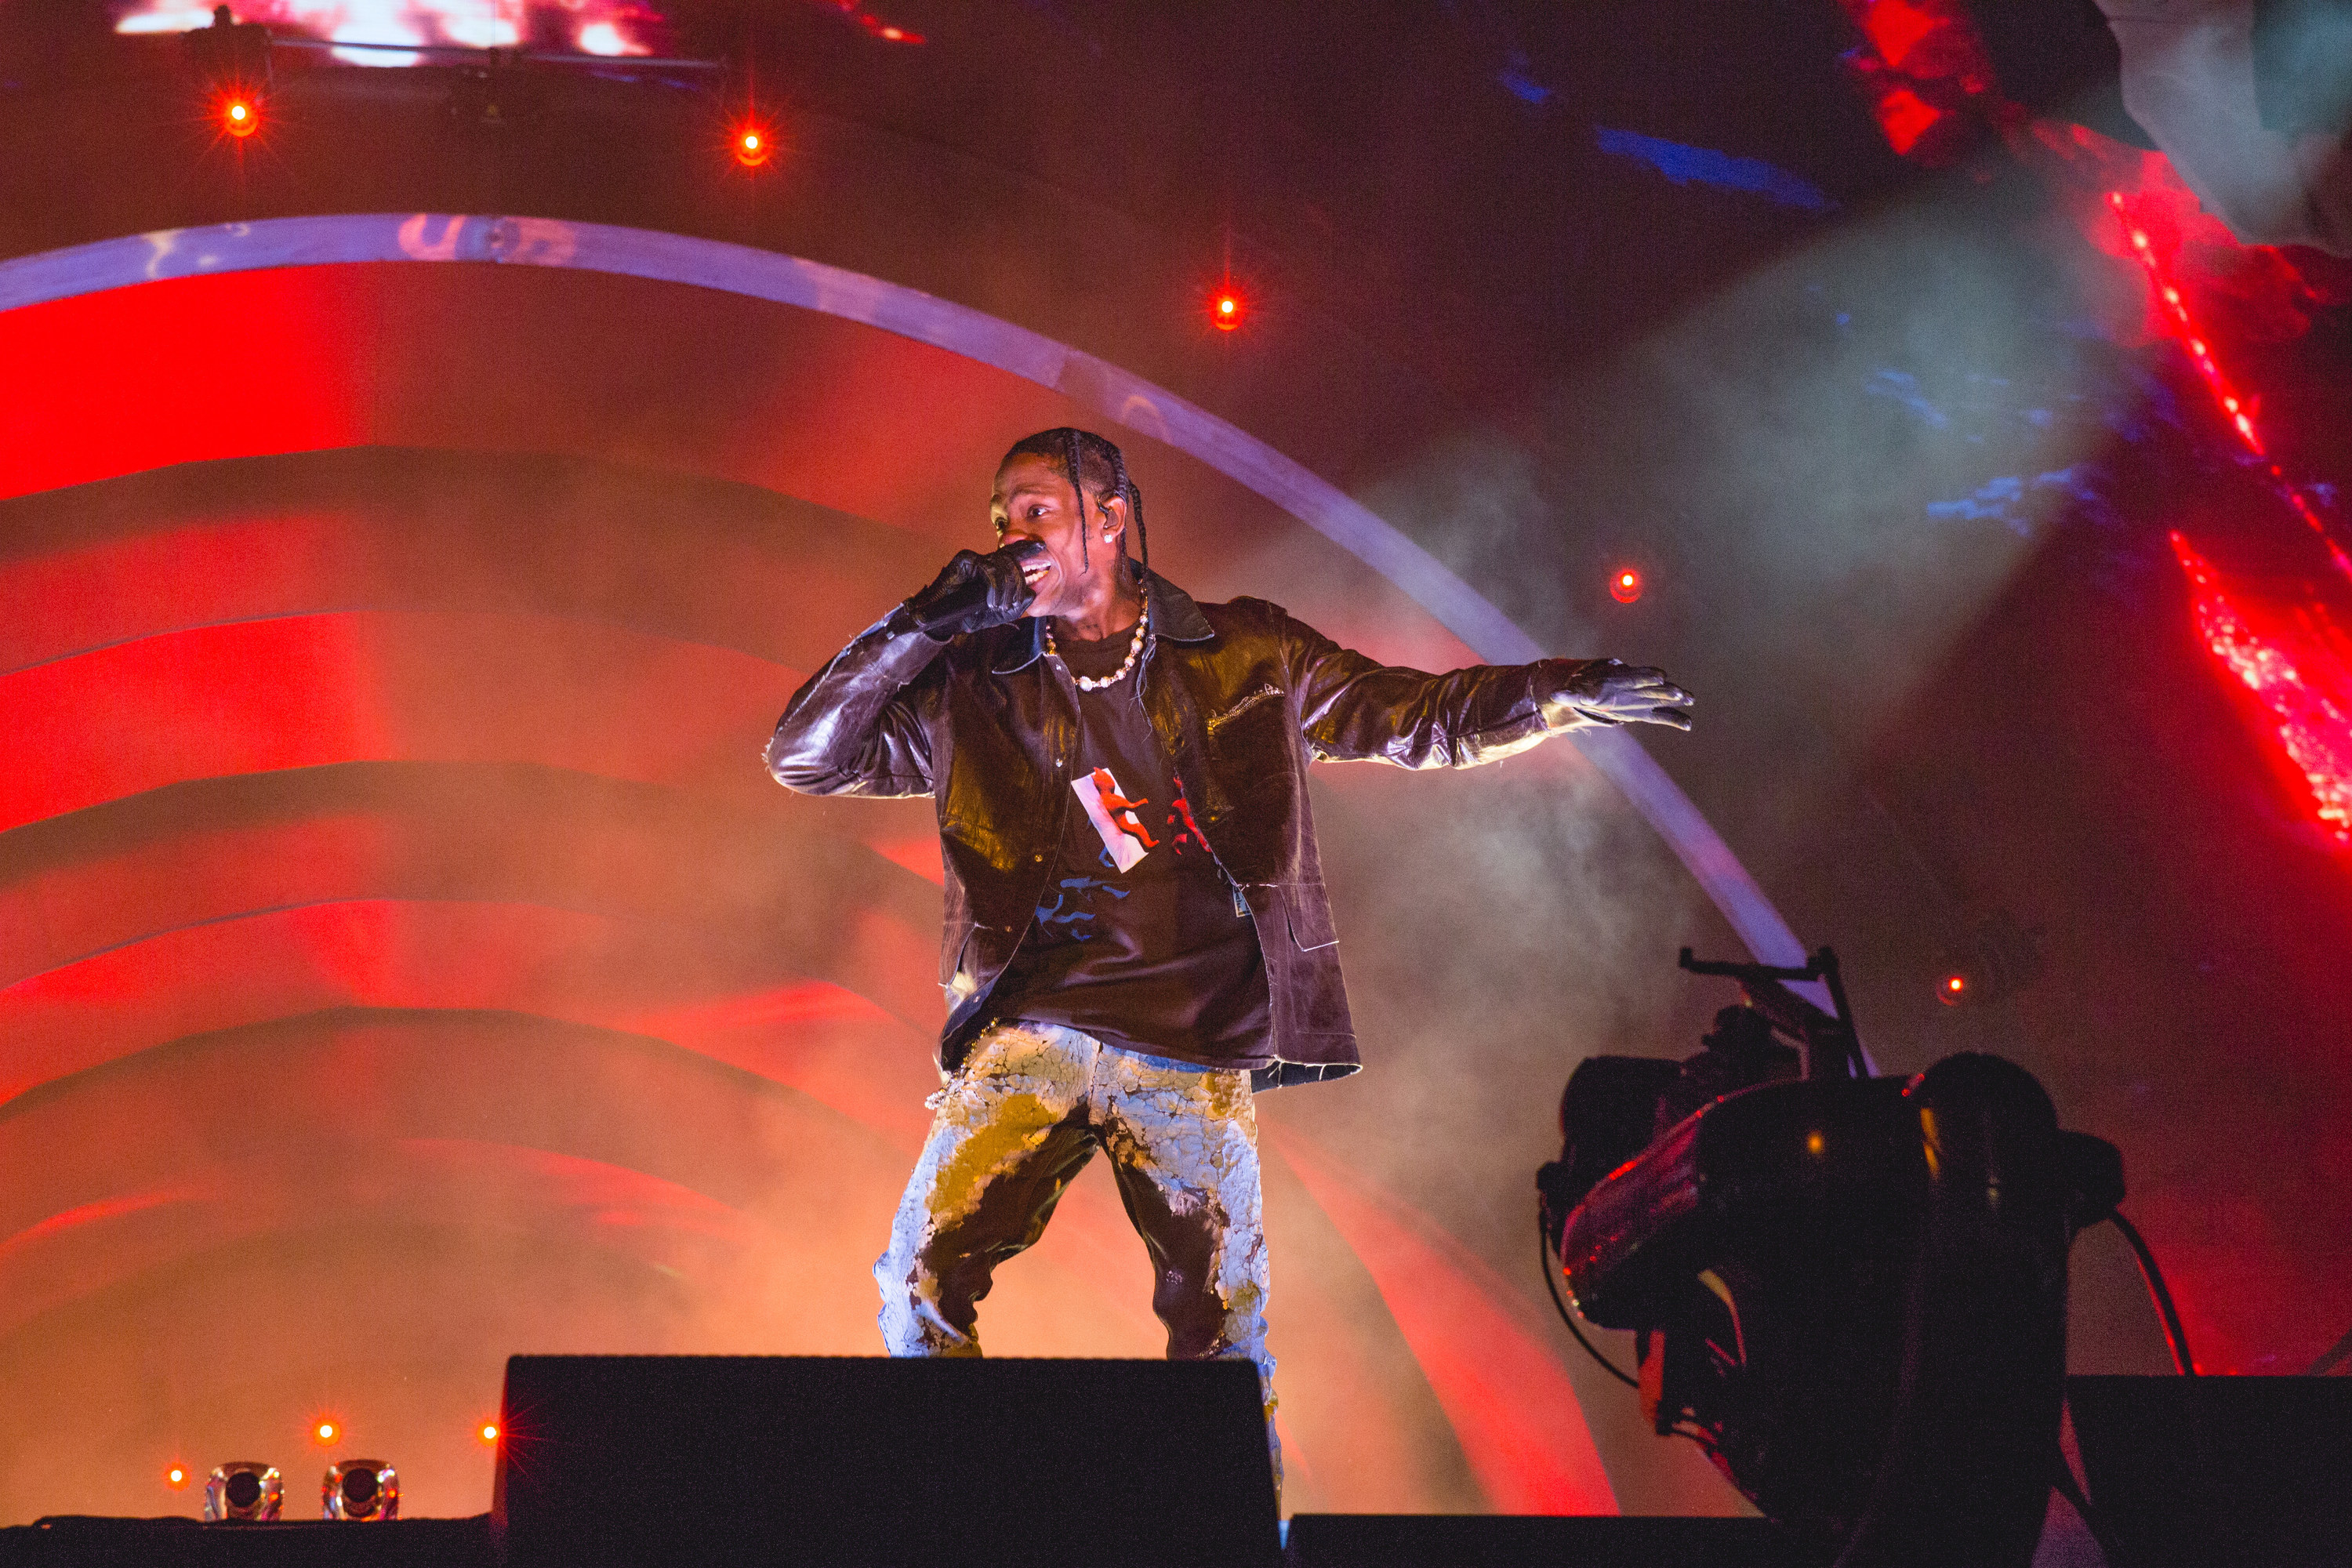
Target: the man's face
pixel 1034 501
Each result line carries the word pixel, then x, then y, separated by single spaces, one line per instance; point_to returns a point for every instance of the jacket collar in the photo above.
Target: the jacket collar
pixel 1174 615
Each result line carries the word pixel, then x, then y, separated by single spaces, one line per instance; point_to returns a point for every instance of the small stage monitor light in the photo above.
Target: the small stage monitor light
pixel 359 1490
pixel 245 1490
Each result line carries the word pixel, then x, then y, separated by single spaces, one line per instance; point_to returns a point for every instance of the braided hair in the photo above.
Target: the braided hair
pixel 1081 454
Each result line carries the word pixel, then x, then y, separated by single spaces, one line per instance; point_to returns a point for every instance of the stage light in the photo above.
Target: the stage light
pixel 1625 584
pixel 751 143
pixel 243 1490
pixel 232 61
pixel 1226 311
pixel 176 1477
pixel 359 1490
pixel 1995 959
pixel 326 1433
pixel 889 32
pixel 490 1432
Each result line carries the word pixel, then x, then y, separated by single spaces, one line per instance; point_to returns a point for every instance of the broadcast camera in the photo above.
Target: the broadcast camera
pixel 1849 1290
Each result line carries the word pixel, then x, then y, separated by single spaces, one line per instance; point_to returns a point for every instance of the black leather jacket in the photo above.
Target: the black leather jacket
pixel 1242 697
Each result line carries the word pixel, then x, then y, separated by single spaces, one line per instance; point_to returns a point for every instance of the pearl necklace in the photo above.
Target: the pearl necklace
pixel 1096 683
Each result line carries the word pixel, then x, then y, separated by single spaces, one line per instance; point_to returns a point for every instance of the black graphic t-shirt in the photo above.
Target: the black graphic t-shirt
pixel 1139 940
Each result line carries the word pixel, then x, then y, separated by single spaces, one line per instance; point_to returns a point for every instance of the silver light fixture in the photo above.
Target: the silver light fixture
pixel 243 1490
pixel 359 1490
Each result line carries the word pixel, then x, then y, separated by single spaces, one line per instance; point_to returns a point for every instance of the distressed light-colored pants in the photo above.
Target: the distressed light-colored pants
pixel 1016 1123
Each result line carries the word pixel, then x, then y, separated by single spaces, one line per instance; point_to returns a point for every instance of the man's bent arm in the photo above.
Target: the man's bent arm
pixel 1352 708
pixel 858 726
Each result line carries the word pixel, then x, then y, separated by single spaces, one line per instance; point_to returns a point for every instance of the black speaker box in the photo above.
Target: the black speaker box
pixel 2200 1471
pixel 638 1461
pixel 1516 1541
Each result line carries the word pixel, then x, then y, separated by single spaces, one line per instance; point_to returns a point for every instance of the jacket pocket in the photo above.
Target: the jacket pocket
pixel 1307 909
pixel 1259 697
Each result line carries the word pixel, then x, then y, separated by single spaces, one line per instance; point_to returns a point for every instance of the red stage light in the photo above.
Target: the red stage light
pixel 326 1434
pixel 240 114
pixel 1954 990
pixel 489 1432
pixel 176 1477
pixel 1625 584
pixel 1226 312
pixel 752 142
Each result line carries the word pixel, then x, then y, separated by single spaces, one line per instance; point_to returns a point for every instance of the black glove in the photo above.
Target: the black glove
pixel 974 593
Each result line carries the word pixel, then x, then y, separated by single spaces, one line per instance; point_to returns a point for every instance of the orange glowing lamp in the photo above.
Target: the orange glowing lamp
pixel 326 1433
pixel 1226 312
pixel 489 1432
pixel 176 1477
pixel 1954 991
pixel 240 115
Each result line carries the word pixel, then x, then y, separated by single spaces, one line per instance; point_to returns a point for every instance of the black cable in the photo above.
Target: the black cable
pixel 2175 1338
pixel 1543 1261
pixel 2336 1356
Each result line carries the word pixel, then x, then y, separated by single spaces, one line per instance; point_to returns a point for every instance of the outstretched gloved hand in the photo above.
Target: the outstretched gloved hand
pixel 974 593
pixel 1604 691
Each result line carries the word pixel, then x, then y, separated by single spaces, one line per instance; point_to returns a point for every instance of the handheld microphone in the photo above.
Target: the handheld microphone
pixel 947 610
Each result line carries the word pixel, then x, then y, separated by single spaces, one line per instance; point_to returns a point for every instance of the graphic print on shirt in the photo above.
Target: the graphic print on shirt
pixel 1064 911
pixel 1072 907
pixel 1125 838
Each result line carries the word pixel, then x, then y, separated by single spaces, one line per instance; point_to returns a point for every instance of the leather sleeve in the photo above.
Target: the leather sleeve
pixel 862 725
pixel 1352 707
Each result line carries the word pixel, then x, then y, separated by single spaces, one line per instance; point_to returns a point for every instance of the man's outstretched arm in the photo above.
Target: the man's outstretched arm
pixel 1352 707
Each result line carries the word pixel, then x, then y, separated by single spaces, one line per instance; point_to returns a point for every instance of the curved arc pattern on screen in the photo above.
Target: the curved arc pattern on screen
pixel 1096 383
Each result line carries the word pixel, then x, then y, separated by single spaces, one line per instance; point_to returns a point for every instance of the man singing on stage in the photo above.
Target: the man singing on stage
pixel 1138 936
